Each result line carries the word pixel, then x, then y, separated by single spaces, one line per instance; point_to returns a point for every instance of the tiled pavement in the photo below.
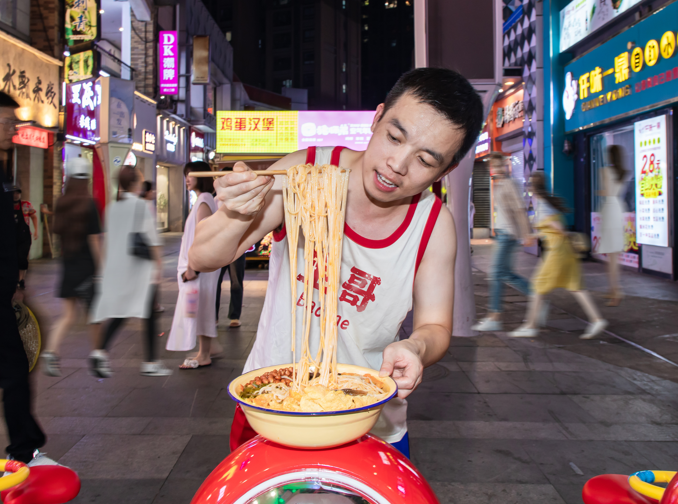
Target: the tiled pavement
pixel 497 420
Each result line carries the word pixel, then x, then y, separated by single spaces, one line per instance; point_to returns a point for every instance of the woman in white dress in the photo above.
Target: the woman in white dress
pixel 612 218
pixel 130 283
pixel 193 322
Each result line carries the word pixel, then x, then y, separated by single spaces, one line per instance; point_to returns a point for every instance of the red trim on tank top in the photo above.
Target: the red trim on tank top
pixel 280 235
pixel 428 230
pixel 386 242
pixel 310 155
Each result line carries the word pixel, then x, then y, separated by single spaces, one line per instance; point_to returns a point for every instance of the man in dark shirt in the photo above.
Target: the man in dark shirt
pixel 25 435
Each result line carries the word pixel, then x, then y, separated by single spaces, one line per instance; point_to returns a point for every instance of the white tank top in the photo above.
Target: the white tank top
pixel 377 279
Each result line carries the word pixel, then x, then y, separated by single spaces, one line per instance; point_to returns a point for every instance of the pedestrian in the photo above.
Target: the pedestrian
pixel 511 226
pixel 76 221
pixel 559 267
pixel 131 274
pixel 148 195
pixel 25 435
pixel 194 317
pixel 236 273
pixel 612 218
pixel 24 211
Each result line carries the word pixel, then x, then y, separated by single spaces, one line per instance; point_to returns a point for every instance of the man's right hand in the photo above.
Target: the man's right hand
pixel 242 192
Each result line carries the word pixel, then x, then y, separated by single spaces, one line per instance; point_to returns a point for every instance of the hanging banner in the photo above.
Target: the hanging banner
pixel 79 66
pixel 168 68
pixel 652 178
pixel 81 21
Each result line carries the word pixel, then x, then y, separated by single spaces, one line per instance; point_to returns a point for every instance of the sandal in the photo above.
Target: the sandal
pixel 193 364
pixel 235 323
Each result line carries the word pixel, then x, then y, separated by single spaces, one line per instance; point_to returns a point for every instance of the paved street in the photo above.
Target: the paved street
pixel 497 420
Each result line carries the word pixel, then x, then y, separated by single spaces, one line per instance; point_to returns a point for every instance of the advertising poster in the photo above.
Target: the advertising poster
pixel 79 66
pixel 652 177
pixel 274 132
pixel 81 21
pixel 629 257
pixel 83 100
pixel 582 17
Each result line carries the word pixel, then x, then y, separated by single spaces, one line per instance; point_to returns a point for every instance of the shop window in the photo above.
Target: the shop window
pixel 282 40
pixel 282 18
pixel 7 10
pixel 308 57
pixel 308 12
pixel 162 197
pixel 308 35
pixel 308 81
pixel 281 64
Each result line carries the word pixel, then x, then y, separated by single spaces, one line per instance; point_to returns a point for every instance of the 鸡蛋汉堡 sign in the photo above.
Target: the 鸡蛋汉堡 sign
pixel 632 72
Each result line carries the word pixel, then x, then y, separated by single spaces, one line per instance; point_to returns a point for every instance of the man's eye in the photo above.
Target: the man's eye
pixel 424 162
pixel 391 137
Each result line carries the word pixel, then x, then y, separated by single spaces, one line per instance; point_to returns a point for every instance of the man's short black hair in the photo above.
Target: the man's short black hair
pixel 7 101
pixel 448 92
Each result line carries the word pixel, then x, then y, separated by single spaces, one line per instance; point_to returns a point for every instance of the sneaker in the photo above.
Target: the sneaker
pixel 524 332
pixel 487 324
pixel 40 459
pixel 156 368
pixel 594 329
pixel 50 364
pixel 100 365
pixel 543 317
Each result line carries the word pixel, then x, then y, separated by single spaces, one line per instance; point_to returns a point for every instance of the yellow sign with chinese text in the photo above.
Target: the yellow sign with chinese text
pixel 245 131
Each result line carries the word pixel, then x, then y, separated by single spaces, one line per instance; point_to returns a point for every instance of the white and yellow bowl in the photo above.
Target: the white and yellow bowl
pixel 317 429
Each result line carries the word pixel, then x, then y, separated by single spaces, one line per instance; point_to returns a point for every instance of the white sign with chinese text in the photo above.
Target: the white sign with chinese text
pixel 652 178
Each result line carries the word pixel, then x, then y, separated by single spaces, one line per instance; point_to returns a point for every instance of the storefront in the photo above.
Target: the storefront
pixel 171 156
pixel 624 93
pixel 144 137
pixel 32 79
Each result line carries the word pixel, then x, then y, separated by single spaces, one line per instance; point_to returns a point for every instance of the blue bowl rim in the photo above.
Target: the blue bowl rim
pixel 311 413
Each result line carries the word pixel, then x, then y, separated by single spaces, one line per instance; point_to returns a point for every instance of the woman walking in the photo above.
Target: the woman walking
pixel 131 274
pixel 76 221
pixel 194 316
pixel 560 267
pixel 612 218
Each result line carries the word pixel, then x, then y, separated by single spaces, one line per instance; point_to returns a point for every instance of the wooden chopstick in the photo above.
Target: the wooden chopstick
pixel 222 173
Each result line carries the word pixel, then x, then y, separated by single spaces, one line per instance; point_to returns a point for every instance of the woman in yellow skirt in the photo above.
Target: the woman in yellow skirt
pixel 560 268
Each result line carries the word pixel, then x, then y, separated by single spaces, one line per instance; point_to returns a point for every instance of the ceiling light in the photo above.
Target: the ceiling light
pixel 101 11
pixel 120 28
pixel 509 83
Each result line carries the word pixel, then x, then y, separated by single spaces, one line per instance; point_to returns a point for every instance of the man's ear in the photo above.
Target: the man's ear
pixel 447 170
pixel 377 116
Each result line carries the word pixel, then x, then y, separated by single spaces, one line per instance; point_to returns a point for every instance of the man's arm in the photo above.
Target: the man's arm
pixel 433 307
pixel 252 208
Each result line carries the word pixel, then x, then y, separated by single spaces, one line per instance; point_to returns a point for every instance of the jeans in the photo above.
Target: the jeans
pixel 502 270
pixel 236 272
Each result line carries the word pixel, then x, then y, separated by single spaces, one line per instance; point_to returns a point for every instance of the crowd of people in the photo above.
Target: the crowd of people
pixel 560 265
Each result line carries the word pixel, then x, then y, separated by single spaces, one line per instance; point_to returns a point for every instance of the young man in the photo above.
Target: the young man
pixel 25 436
pixel 510 227
pixel 399 248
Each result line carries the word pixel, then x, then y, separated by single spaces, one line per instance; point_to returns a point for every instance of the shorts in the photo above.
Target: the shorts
pixel 23 249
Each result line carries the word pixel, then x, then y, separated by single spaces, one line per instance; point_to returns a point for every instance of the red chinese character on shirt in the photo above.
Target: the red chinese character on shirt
pixel 268 124
pixel 254 124
pixel 359 285
pixel 240 124
pixel 227 123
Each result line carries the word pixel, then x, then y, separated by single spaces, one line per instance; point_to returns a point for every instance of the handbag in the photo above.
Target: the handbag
pixel 580 243
pixel 137 241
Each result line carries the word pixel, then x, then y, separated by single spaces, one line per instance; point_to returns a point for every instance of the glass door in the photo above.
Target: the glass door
pixel 162 197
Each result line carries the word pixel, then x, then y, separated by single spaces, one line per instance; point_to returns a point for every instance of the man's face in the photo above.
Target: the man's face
pixel 17 195
pixel 7 127
pixel 412 146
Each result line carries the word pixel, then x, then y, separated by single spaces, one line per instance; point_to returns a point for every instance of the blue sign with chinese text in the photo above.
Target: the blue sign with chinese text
pixel 635 70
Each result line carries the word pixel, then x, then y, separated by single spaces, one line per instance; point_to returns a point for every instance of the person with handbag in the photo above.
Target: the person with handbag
pixel 131 274
pixel 76 221
pixel 194 316
pixel 560 266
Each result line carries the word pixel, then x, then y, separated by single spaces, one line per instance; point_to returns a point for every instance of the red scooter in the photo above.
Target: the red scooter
pixel 639 488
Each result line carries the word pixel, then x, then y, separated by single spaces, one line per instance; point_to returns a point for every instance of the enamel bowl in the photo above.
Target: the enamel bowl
pixel 317 429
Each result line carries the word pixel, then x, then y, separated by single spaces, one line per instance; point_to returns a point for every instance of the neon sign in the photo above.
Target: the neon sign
pixel 82 110
pixel 168 67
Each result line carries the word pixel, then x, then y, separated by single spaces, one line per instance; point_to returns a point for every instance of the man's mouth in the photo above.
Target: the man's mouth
pixel 385 181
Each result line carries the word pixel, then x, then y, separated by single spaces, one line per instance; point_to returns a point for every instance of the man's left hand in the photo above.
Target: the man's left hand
pixel 403 363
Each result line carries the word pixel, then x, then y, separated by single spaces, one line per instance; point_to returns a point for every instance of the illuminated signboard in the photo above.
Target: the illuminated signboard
pixel 281 132
pixel 652 180
pixel 82 110
pixel 582 17
pixel 483 145
pixel 168 68
pixel 33 137
pixel 613 80
pixel 81 21
pixel 148 144
pixel 197 141
pixel 79 66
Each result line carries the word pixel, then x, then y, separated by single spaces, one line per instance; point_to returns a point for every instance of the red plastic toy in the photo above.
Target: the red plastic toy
pixel 48 484
pixel 616 489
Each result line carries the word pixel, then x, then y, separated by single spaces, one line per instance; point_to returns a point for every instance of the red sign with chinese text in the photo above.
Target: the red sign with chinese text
pixel 32 137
